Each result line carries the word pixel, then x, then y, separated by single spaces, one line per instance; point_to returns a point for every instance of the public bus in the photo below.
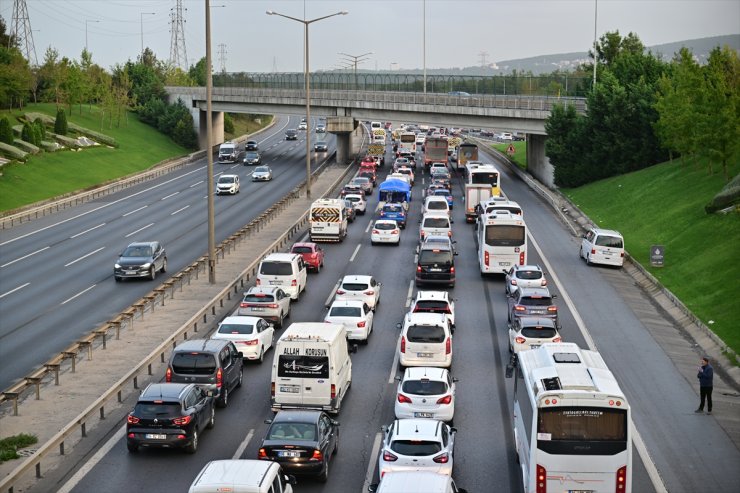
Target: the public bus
pixel 502 241
pixel 480 174
pixel 571 422
pixel 406 144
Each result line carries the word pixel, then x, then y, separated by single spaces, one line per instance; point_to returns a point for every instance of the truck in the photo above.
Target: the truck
pixel 435 151
pixel 475 194
pixel 228 152
pixel 467 151
pixel 328 220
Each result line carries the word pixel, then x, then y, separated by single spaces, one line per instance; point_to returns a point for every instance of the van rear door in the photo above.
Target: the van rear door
pixel 303 377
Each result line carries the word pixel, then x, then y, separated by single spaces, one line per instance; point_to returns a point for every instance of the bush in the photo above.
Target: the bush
pixel 6 131
pixel 9 446
pixel 39 124
pixel 228 124
pixel 60 124
pixel 728 196
pixel 184 134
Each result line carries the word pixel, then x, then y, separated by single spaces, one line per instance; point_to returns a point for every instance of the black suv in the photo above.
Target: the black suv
pixel 211 363
pixel 141 259
pixel 291 134
pixel 436 265
pixel 251 146
pixel 536 302
pixel 170 415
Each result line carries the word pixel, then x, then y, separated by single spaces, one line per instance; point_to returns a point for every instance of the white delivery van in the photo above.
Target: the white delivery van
pixel 242 476
pixel 287 271
pixel 328 220
pixel 228 152
pixel 312 367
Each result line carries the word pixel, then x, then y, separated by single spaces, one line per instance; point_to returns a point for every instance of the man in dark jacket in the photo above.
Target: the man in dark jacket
pixel 705 376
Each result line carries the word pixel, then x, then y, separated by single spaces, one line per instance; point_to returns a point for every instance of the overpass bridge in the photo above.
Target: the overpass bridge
pixel 344 108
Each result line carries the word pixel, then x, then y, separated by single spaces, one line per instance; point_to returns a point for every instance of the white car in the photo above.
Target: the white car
pixel 532 332
pixel 437 165
pixel 417 445
pixel 426 340
pixel 524 276
pixel 302 126
pixel 420 139
pixel 355 315
pixel 252 336
pixel 602 246
pixel 425 392
pixel 385 231
pixel 364 288
pixel 434 302
pixel 405 170
pixel 227 184
pixel 268 302
pixel 358 202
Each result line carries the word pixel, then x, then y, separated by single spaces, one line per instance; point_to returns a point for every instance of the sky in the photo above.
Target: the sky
pixel 459 33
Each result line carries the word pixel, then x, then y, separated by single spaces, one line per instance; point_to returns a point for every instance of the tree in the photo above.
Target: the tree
pixel 15 77
pixel 198 72
pixel 60 124
pixel 6 131
pixel 563 128
pixel 38 124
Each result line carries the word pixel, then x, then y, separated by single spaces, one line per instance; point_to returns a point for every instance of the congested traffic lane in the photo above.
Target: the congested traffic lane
pixel 56 281
pixel 484 454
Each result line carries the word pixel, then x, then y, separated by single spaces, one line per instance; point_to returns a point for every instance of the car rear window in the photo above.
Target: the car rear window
pixel 429 257
pixel 236 329
pixel 345 311
pixel 425 333
pixel 539 301
pixel 150 410
pixel 354 286
pixel 416 448
pixel 541 333
pixel 259 298
pixel 437 205
pixel 528 274
pixel 292 431
pixel 385 226
pixel 392 208
pixel 609 241
pixel 432 306
pixel 436 222
pixel 301 249
pixel 276 268
pixel 424 387
pixel 194 363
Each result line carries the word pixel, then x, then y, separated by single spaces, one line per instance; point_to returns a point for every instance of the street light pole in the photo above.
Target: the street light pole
pixel 86 22
pixel 306 71
pixel 141 17
pixel 209 152
pixel 424 35
pixel 355 60
pixel 596 10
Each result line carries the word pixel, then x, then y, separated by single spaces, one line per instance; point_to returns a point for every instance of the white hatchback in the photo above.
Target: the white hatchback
pixel 425 392
pixel 385 231
pixel 426 340
pixel 356 317
pixel 364 288
pixel 434 302
pixel 252 336
pixel 417 445
pixel 358 202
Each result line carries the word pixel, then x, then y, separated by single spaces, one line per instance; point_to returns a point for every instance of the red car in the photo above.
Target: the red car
pixel 313 254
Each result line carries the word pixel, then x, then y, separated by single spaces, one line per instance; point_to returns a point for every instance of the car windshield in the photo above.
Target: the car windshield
pixel 424 387
pixel 538 301
pixel 321 144
pixel 292 431
pixel 236 329
pixel 351 286
pixel 436 222
pixel 252 155
pixel 609 241
pixel 276 268
pixel 416 448
pixel 226 179
pixel 150 410
pixel 528 274
pixel 261 169
pixel 194 363
pixel 345 311
pixel 385 226
pixel 137 251
pixel 432 306
pixel 425 333
pixel 258 298
pixel 539 332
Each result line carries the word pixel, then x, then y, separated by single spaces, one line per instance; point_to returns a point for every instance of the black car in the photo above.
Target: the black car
pixel 213 364
pixel 302 442
pixel 252 157
pixel 141 259
pixel 291 134
pixel 170 415
pixel 436 265
pixel 320 146
pixel 251 145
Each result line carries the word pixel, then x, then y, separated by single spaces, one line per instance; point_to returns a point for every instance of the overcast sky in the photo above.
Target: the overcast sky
pixel 457 31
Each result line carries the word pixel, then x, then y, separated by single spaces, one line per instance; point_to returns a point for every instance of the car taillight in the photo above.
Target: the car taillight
pixel 520 340
pixel 520 308
pixel 251 343
pixel 552 308
pixel 333 391
pixel 389 457
pixel 444 400
pixel 448 346
pixel 442 458
pixel 541 486
pixel 257 282
pixel 243 305
pixel 294 282
pixel 272 389
pixel 134 420
pixel 262 454
pixel 395 232
pixel 402 398
pixel 340 291
pixel 521 258
pixel 449 233
pixel 486 258
pixel 272 305
pixel 376 232
pixel 403 344
pixel 621 480
pixel 219 378
pixel 557 339
pixel 593 251
pixel 544 282
pixel 452 269
pixel 361 324
pixel 182 421
pixel 317 455
pixel 369 292
pixel 168 375
pixel 418 268
pixel 621 254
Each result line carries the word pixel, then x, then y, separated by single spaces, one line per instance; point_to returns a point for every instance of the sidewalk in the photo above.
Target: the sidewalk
pixel 60 405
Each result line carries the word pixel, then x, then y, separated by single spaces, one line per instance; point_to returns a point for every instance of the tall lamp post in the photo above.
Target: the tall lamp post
pixel 306 71
pixel 424 42
pixel 87 21
pixel 596 11
pixel 354 60
pixel 141 17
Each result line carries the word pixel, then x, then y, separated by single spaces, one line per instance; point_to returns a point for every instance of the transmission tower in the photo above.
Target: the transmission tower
pixel 274 64
pixel 178 53
pixel 21 30
pixel 483 58
pixel 222 56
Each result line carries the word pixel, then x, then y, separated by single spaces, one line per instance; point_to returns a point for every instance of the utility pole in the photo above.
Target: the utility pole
pixel 222 57
pixel 274 64
pixel 353 60
pixel 178 52
pixel 21 30
pixel 483 56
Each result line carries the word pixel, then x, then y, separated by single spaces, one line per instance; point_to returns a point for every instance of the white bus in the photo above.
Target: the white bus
pixel 502 241
pixel 571 422
pixel 480 174
pixel 406 144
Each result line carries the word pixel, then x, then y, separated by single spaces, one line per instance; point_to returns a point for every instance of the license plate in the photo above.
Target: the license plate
pixel 289 454
pixel 580 491
pixel 276 282
pixel 291 389
pixel 155 436
pixel 534 346
pixel 435 270
pixel 423 415
pixel 538 312
pixel 424 355
pixel 504 264
pixel 130 272
pixel 257 309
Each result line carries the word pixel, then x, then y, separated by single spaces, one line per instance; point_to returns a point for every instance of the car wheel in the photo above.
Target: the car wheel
pixel 372 243
pixel 152 273
pixel 588 259
pixel 212 419
pixel 324 476
pixel 164 266
pixel 401 367
pixel 241 377
pixel 117 278
pixel 193 447
pixel 261 356
pixel 223 401
pixel 132 447
pixel 318 268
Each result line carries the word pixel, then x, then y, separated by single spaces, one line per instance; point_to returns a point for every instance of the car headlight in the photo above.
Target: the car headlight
pixel 146 265
pixel 117 266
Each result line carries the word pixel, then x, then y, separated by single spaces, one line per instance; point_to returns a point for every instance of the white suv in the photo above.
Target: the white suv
pixel 364 288
pixel 426 340
pixel 603 246
pixel 417 445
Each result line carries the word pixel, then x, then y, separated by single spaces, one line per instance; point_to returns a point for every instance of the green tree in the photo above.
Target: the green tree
pixel 6 131
pixel 15 77
pixel 60 124
pixel 228 123
pixel 563 128
pixel 198 73
pixel 41 128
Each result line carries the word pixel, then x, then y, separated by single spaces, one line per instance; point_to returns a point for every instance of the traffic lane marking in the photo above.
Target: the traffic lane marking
pixel 86 231
pixel 243 446
pixel 352 258
pixel 332 293
pixel 133 211
pixel 78 294
pixel 85 256
pixel 14 290
pixel 179 210
pixel 94 460
pixel 25 256
pixel 139 230
pixel 394 366
pixel 373 457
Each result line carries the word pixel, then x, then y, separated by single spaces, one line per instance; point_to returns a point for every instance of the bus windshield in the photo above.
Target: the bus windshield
pixel 408 138
pixel 505 236
pixel 484 178
pixel 582 430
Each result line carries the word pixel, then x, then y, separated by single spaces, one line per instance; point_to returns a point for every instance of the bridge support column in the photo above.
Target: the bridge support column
pixel 344 147
pixel 217 122
pixel 343 127
pixel 538 164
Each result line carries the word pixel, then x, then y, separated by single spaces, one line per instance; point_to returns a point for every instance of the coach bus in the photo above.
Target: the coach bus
pixel 406 144
pixel 479 174
pixel 502 241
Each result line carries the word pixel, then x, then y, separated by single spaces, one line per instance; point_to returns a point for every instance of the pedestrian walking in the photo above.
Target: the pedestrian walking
pixel 706 377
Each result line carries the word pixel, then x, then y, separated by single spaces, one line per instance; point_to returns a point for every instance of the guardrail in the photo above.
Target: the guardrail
pixel 157 296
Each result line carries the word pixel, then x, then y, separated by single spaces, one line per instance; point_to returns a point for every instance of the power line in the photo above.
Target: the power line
pixel 178 52
pixel 21 30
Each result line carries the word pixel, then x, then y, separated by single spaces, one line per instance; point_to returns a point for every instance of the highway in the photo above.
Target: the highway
pixel 691 452
pixel 56 273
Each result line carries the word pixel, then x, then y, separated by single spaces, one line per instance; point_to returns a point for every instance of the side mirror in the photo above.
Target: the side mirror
pixel 335 423
pixel 291 480
pixel 554 296
pixel 240 355
pixel 384 428
pixel 398 379
pixel 462 490
pixel 268 421
pixel 455 254
pixel 210 393
pixel 455 379
pixel 398 326
pixel 453 429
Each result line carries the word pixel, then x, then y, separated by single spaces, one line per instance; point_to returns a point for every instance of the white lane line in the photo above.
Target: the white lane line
pixel 168 196
pixel 78 294
pixel 352 258
pixel 84 256
pixel 86 231
pixel 642 450
pixel 140 229
pixel 196 184
pixel 97 457
pixel 179 210
pixel 332 293
pixel 14 290
pixel 373 460
pixel 392 378
pixel 25 256
pixel 243 445
pixel 135 210
pixel 369 225
pixel 410 294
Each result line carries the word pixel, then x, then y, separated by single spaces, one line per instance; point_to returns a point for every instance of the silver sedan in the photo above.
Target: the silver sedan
pixel 262 173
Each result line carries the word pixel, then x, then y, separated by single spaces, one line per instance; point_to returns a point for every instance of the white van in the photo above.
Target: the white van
pixel 415 482
pixel 436 204
pixel 242 476
pixel 374 125
pixel 435 224
pixel 312 367
pixel 328 221
pixel 603 246
pixel 285 270
pixel 426 340
pixel 228 152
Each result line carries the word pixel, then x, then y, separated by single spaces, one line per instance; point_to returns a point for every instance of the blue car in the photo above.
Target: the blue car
pixel 446 194
pixel 395 212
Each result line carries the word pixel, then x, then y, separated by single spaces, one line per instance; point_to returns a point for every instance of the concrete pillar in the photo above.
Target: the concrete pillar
pixel 217 122
pixel 538 164
pixel 344 147
pixel 342 127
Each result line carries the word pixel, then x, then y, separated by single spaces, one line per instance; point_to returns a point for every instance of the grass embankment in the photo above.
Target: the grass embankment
pixel 247 124
pixel 50 174
pixel 9 446
pixel 520 154
pixel 664 205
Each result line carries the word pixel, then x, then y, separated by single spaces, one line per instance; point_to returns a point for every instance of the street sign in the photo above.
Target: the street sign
pixel 657 253
pixel 510 150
